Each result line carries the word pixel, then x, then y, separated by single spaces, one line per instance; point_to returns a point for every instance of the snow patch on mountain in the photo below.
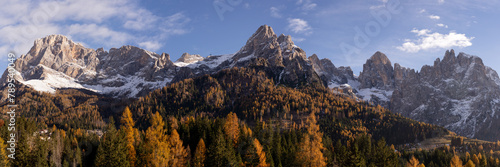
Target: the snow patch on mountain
pixel 53 80
pixel 211 61
pixel 367 94
pixel 132 85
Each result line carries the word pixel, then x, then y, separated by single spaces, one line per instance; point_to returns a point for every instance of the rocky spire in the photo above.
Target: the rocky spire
pixel 377 72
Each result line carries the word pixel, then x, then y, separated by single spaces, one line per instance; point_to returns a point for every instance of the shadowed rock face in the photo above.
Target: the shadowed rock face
pixel 459 93
pixel 329 73
pixel 57 62
pixel 377 72
pixel 57 59
pixel 286 61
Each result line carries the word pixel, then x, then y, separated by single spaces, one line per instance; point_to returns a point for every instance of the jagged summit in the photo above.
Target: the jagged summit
pixel 187 59
pixel 379 58
pixel 458 91
pixel 377 72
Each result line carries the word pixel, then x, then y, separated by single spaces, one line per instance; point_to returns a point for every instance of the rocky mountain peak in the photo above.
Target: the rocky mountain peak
pixel 263 32
pixel 459 93
pixel 188 58
pixel 449 56
pixel 379 58
pixel 377 72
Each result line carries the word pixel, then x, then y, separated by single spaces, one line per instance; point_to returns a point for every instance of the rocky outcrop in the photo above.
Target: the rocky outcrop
pixel 189 59
pixel 377 73
pixel 56 62
pixel 459 93
pixel 280 56
pixel 329 73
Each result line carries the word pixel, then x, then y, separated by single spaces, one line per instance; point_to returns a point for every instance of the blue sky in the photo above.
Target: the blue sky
pixel 348 32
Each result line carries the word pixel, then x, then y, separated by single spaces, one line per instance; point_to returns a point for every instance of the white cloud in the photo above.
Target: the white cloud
pixel 427 41
pixel 294 39
pixel 151 45
pixel 434 17
pixel 174 25
pixel 99 34
pixel 306 5
pixel 440 1
pixel 442 25
pixel 275 12
pixel 141 20
pixel 377 7
pixel 299 26
pixel 23 21
pixel 422 11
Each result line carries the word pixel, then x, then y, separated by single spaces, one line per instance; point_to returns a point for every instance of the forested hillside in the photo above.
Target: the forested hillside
pixel 236 117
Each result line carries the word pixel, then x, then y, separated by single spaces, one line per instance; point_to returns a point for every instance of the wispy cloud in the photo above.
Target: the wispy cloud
pixel 306 5
pixel 434 17
pixel 442 25
pixel 428 40
pixel 275 12
pixel 299 26
pixel 98 34
pixel 151 45
pixel 23 21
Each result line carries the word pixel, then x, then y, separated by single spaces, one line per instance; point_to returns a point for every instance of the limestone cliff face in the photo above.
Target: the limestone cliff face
pixel 286 61
pixel 377 72
pixel 459 93
pixel 57 62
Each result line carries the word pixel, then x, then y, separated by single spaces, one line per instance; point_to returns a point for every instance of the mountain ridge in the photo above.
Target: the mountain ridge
pixel 56 62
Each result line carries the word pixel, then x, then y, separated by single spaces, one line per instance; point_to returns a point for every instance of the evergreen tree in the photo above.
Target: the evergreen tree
pixel 356 158
pixel 200 154
pixel 40 153
pixel 217 150
pixel 56 149
pixel 255 156
pixel 127 125
pixel 112 151
pixel 384 155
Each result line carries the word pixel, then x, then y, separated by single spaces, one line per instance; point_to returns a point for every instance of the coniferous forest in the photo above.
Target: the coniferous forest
pixel 236 117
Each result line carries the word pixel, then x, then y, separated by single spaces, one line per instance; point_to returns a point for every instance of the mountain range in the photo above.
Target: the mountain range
pixel 459 92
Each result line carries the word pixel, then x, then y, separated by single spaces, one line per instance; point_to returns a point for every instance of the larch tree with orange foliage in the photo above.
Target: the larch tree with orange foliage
pixel 232 128
pixel 311 147
pixel 199 154
pixel 255 156
pixel 157 150
pixel 456 162
pixel 413 162
pixel 131 133
pixel 178 152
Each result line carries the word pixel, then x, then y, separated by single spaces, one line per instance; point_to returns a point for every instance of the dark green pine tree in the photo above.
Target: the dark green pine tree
pixel 25 131
pixel 383 155
pixel 277 148
pixel 40 154
pixel 112 151
pixel 341 154
pixel 217 150
pixel 356 157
